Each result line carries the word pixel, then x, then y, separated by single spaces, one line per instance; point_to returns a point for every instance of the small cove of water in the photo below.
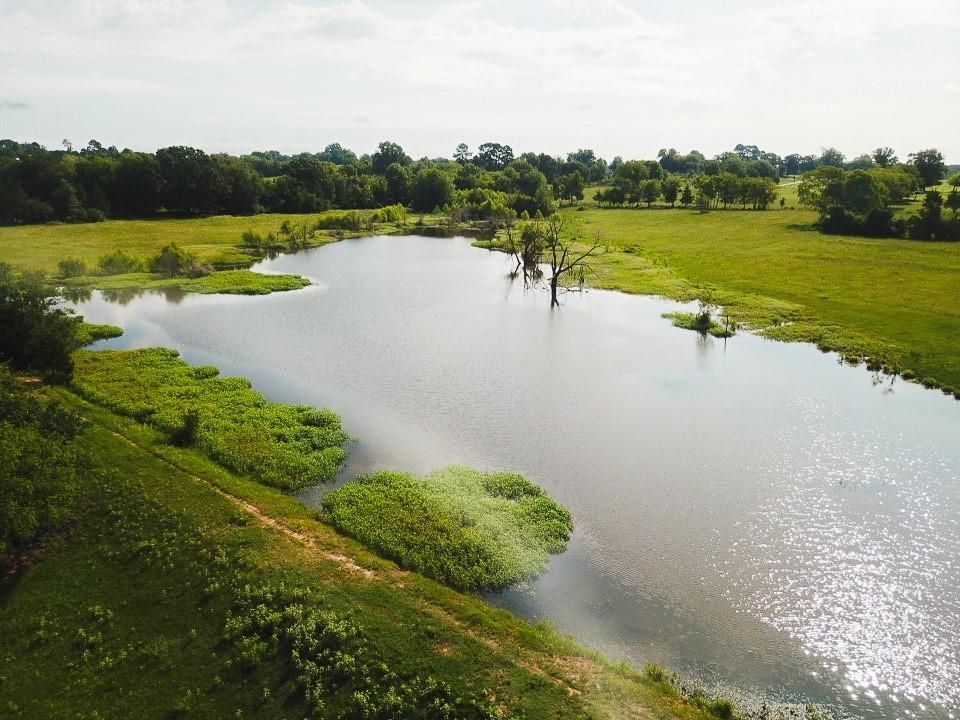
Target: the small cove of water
pixel 747 511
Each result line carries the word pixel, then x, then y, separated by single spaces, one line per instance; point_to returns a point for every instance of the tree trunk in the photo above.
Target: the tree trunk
pixel 553 291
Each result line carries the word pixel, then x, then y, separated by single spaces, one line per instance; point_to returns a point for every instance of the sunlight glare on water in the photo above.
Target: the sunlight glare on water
pixel 856 557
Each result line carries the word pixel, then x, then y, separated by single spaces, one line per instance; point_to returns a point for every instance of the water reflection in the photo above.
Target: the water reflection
pixel 750 512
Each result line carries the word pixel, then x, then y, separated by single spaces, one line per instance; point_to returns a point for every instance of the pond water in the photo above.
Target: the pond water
pixel 749 512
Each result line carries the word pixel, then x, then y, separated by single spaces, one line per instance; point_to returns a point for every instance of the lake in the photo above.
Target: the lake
pixel 750 513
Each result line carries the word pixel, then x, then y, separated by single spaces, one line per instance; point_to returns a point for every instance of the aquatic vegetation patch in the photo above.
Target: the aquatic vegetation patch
pixel 700 323
pixel 89 333
pixel 234 282
pixel 243 282
pixel 471 530
pixel 286 446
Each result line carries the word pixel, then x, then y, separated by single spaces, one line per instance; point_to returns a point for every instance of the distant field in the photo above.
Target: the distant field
pixel 41 247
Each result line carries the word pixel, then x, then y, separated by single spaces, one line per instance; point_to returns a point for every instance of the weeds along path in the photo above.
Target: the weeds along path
pixel 267 520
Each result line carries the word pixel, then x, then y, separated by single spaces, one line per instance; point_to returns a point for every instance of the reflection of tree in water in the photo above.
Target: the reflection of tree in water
pixel 878 377
pixel 124 296
pixel 76 294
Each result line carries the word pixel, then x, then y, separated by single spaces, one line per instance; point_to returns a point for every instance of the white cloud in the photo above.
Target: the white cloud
pixel 625 77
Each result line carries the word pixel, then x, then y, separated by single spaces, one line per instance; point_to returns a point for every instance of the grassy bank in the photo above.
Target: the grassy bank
pixel 214 239
pixel 892 301
pixel 183 590
pixel 231 282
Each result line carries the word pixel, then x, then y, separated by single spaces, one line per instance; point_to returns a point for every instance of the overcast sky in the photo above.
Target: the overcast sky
pixel 625 77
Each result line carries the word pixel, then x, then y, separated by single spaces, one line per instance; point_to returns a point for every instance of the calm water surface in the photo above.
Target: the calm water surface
pixel 748 512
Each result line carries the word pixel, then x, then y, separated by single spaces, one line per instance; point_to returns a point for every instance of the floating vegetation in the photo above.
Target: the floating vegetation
pixel 471 530
pixel 89 333
pixel 234 282
pixel 702 321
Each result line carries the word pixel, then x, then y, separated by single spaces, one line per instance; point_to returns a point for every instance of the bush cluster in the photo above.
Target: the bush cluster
pixel 41 466
pixel 36 333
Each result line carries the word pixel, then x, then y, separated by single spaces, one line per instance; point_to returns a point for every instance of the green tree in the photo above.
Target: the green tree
pixel 862 192
pixel 239 186
pixel 136 189
pixel 572 186
pixel 338 155
pixel 493 156
pixel 36 334
pixel 462 154
pixel 861 162
pixel 431 188
pixel 670 187
pixel 929 164
pixel 650 191
pixel 687 197
pixel 41 467
pixel 822 189
pixel 398 184
pixel 189 182
pixel 952 201
pixel 386 155
pixel 884 157
pixel 831 157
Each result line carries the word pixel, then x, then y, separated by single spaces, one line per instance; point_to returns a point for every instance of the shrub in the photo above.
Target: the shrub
pixel 343 220
pixel 721 708
pixel 258 241
pixel 41 466
pixel 118 262
pixel 332 661
pixel 655 672
pixel 71 267
pixel 174 261
pixel 35 334
pixel 470 530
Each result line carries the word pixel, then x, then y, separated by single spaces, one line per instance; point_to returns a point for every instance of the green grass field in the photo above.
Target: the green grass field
pixel 183 590
pixel 41 247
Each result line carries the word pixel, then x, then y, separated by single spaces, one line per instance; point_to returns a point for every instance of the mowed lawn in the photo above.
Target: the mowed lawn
pixel 903 294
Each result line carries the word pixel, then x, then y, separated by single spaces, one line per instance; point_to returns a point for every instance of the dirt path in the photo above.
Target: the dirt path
pixel 266 520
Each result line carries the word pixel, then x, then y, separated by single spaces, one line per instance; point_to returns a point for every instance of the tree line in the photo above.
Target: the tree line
pixel 96 182
pixel 862 201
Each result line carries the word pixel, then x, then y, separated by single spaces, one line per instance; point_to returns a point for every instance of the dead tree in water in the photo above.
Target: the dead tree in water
pixel 559 236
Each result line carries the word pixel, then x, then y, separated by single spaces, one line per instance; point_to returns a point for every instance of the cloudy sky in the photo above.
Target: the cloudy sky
pixel 624 77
